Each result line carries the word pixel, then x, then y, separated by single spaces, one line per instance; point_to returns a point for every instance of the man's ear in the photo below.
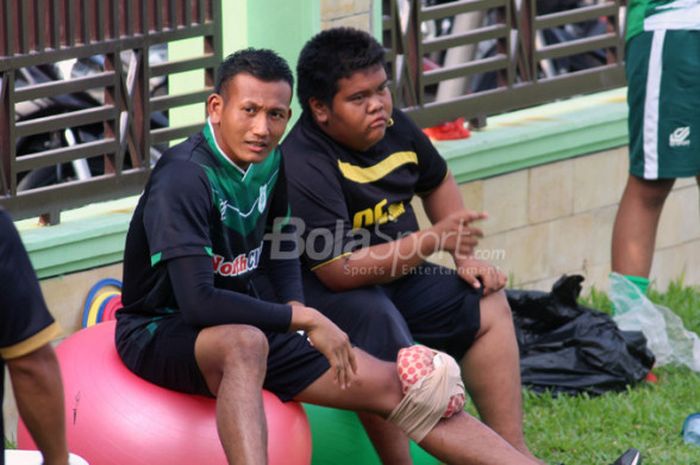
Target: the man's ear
pixel 319 110
pixel 215 105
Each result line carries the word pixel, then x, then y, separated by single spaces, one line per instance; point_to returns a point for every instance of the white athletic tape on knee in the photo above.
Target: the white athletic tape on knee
pixel 433 390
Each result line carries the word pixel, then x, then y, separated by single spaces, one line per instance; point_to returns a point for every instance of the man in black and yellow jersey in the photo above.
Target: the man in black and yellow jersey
pixel 354 163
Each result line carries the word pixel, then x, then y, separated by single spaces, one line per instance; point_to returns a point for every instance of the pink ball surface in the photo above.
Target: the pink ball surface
pixel 113 417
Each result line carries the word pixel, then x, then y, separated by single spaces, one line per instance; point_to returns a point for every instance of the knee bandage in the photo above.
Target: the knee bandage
pixel 432 387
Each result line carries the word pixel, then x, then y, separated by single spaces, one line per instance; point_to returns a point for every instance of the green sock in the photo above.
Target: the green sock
pixel 641 282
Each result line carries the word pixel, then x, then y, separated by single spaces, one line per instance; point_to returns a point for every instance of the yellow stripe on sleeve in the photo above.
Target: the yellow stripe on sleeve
pixel 32 343
pixel 316 267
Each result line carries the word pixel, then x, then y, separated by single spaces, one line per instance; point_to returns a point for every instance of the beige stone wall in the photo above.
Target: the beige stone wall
pixel 348 13
pixel 558 218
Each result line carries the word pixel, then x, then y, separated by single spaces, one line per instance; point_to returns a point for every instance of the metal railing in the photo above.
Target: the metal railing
pixel 441 51
pixel 36 33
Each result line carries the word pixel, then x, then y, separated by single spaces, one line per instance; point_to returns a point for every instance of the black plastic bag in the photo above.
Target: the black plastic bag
pixel 567 348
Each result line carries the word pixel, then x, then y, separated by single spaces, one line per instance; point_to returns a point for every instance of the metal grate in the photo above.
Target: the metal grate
pixel 123 35
pixel 474 58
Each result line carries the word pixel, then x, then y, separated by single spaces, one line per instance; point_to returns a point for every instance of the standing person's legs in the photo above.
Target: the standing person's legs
pixel 634 232
pixel 445 313
pixel 375 325
pixel 664 139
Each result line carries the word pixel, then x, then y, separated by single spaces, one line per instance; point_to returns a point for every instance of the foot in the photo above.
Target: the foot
pixel 631 457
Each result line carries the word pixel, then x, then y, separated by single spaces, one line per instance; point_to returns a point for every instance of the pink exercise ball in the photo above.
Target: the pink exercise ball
pixel 113 417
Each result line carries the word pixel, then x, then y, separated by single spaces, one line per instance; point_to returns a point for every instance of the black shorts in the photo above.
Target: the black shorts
pixel 431 305
pixel 161 350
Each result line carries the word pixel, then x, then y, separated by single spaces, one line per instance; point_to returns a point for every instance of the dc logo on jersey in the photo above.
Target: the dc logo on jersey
pixel 679 137
pixel 262 198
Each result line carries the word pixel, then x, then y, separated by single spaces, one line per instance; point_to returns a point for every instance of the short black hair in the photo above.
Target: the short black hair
pixel 260 63
pixel 332 55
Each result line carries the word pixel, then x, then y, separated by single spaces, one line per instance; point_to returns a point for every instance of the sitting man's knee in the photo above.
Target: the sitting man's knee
pixel 246 344
pixel 433 390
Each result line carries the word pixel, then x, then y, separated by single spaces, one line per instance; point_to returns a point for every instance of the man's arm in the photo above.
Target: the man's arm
pixel 36 381
pixel 328 339
pixel 451 231
pixel 445 200
pixel 385 262
pixel 203 305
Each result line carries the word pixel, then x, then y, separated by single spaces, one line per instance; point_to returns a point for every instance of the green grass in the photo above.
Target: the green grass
pixel 586 430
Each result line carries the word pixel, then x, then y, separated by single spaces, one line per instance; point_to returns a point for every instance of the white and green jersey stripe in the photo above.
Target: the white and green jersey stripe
pixel 241 196
pixel 656 15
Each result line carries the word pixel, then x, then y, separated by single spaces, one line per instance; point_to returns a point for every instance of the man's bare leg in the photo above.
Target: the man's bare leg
pixel 36 382
pixel 388 440
pixel 233 360
pixel 491 372
pixel 634 232
pixel 461 440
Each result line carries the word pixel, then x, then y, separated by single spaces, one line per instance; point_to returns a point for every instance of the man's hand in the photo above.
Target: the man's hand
pixel 472 270
pixel 455 233
pixel 328 339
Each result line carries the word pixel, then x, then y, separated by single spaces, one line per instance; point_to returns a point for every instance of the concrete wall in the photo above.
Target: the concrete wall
pixel 557 218
pixel 348 13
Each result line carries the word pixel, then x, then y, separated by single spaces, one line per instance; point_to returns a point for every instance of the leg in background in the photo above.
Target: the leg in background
pixel 634 232
pixel 491 372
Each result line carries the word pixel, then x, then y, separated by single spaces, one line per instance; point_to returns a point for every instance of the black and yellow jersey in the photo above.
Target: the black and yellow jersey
pixel 348 199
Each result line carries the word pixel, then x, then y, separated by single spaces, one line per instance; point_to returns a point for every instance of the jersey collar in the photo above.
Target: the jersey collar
pixel 214 146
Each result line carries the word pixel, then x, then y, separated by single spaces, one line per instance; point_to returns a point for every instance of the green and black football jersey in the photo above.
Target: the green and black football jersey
pixel 348 199
pixel 198 202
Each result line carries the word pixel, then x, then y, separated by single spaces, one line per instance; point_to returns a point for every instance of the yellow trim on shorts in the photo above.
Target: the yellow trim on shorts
pixel 313 268
pixel 32 343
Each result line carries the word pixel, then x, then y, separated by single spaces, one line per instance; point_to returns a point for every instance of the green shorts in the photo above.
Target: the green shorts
pixel 663 76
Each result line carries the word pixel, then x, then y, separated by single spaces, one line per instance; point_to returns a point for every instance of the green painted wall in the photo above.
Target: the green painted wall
pixel 283 26
pixel 377 19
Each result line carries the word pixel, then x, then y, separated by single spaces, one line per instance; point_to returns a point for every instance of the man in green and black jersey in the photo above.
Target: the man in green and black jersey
pixel 662 64
pixel 193 318
pixel 354 164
